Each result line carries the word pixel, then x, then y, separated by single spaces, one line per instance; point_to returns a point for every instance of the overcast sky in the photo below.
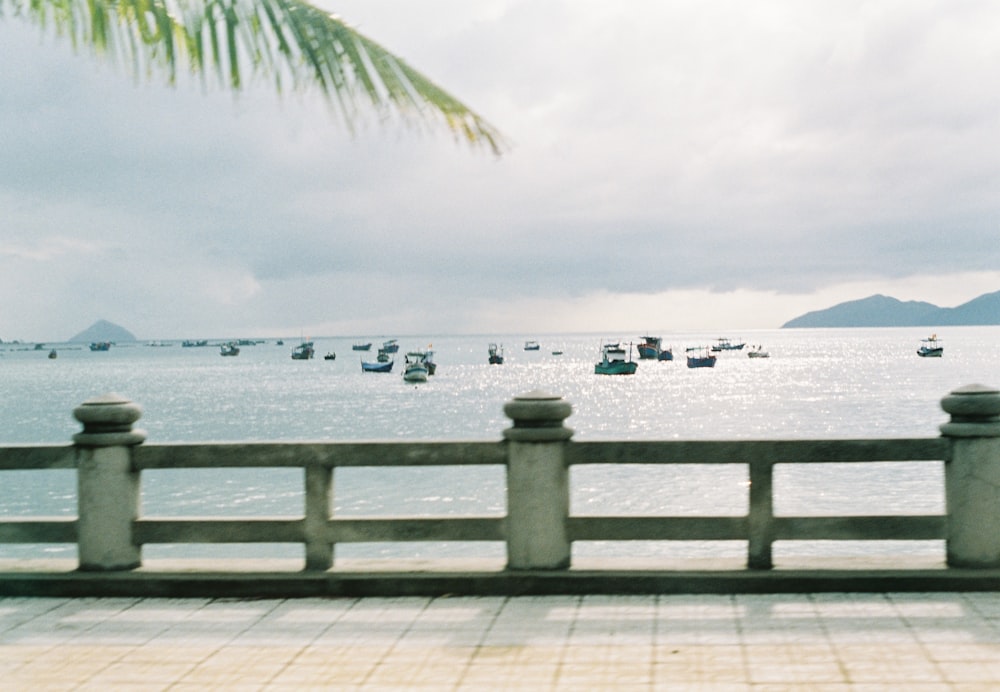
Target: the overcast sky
pixel 674 166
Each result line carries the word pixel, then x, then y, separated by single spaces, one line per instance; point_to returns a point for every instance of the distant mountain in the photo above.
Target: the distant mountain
pixel 102 330
pixel 883 311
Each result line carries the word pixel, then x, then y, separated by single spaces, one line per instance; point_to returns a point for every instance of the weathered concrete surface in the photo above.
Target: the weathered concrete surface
pixel 284 579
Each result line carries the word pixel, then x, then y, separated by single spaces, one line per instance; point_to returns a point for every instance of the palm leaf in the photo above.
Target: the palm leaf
pixel 288 41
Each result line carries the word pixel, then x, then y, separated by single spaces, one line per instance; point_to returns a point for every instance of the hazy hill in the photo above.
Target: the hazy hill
pixel 883 311
pixel 102 330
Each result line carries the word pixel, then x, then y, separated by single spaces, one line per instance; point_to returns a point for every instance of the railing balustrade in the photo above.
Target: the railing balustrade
pixel 537 451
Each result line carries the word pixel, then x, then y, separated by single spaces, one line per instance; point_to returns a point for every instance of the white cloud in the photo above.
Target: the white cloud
pixel 722 164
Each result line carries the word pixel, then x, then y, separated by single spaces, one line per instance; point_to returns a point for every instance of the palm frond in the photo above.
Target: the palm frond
pixel 283 40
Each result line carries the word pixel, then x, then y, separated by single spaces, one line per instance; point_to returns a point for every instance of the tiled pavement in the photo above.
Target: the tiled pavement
pixel 899 641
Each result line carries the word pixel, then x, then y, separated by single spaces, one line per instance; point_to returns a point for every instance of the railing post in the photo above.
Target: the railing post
pixel 107 483
pixel 972 476
pixel 760 521
pixel 537 482
pixel 319 549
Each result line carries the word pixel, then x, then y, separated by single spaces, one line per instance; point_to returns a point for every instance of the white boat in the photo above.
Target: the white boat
pixel 758 352
pixel 930 347
pixel 415 368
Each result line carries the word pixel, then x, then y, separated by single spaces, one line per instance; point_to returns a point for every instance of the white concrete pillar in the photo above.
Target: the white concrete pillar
pixel 537 482
pixel 972 476
pixel 107 484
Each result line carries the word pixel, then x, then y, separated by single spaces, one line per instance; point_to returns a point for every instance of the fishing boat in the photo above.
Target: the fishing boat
pixel 496 354
pixel 531 346
pixel 700 357
pixel 651 349
pixel 415 368
pixel 190 343
pixel 53 355
pixel 361 347
pixel 930 347
pixel 100 346
pixel 376 366
pixel 613 361
pixel 390 346
pixel 303 351
pixel 724 344
pixel 426 356
pixel 330 356
pixel 229 349
pixel 758 352
pixel 382 356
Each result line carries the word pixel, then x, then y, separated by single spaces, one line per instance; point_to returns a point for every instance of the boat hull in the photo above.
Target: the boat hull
pixel 619 367
pixel 415 374
pixel 701 361
pixel 376 367
pixel 648 352
pixel 925 352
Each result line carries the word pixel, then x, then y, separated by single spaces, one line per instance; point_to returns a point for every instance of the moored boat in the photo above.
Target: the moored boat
pixel 930 347
pixel 496 354
pixel 390 346
pixel 531 346
pixel 53 355
pixel 758 352
pixel 651 348
pixel 724 344
pixel 100 346
pixel 700 357
pixel 330 356
pixel 614 362
pixel 361 346
pixel 303 351
pixel 229 349
pixel 415 367
pixel 376 366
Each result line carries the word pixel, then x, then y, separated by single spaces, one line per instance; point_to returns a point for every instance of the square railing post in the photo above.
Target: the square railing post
pixel 319 486
pixel 760 521
pixel 972 476
pixel 537 482
pixel 107 483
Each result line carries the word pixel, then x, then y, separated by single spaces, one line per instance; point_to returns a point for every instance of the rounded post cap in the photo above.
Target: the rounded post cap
pixel 107 421
pixel 538 417
pixel 974 410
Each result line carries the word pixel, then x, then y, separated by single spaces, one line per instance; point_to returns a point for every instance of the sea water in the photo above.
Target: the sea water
pixel 846 383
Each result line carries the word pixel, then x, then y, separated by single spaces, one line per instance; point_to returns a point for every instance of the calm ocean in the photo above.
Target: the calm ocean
pixel 817 384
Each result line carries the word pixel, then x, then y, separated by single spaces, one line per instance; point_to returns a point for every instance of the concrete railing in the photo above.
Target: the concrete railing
pixel 538 453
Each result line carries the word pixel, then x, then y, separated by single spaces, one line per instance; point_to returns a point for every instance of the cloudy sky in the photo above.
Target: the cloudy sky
pixel 674 166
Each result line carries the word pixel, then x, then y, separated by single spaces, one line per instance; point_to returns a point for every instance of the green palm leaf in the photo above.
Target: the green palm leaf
pixel 290 41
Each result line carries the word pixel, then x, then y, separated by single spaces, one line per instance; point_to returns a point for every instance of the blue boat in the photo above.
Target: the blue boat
pixel 613 361
pixel 390 346
pixel 702 358
pixel 368 366
pixel 725 344
pixel 651 349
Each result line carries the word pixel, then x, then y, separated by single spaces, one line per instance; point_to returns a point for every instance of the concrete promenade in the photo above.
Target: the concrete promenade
pixel 827 641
